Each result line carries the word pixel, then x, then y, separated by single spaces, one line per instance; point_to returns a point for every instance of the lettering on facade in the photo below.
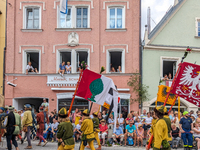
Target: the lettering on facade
pixel 66 80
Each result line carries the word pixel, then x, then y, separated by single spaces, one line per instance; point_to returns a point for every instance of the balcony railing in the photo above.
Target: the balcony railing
pixel 167 83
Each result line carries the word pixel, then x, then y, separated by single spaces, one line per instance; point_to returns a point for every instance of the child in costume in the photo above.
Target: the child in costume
pixel 65 131
pixel 88 131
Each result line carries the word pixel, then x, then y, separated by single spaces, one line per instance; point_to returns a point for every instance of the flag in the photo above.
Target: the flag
pixel 98 89
pixel 187 84
pixel 162 94
pixel 63 6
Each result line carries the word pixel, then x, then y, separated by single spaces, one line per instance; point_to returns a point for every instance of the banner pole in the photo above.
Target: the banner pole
pixel 173 82
pixel 70 109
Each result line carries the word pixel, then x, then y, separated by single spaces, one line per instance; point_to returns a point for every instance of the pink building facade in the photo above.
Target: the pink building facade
pixel 100 32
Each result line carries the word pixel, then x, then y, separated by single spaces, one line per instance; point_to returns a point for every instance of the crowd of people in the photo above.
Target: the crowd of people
pixel 26 125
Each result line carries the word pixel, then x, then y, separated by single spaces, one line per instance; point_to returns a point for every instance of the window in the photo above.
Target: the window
pixel 81 104
pixel 115 62
pixel 81 17
pixel 81 56
pixel 33 57
pixel 199 28
pixel 169 67
pixel 77 17
pixel 116 18
pixel 65 56
pixel 65 20
pixel 33 18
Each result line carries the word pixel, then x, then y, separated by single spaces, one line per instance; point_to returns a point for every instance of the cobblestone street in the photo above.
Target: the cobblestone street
pixel 53 146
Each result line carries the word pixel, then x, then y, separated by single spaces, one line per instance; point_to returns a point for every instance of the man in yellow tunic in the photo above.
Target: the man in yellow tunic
pixel 88 131
pixel 65 131
pixel 160 131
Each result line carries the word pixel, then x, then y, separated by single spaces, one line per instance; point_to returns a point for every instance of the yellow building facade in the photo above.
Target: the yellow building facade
pixel 2 40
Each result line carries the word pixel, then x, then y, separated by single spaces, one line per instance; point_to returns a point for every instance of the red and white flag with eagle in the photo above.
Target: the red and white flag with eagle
pixel 187 84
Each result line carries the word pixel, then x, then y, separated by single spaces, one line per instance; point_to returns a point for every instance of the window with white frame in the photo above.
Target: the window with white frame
pixel 116 61
pixel 32 18
pixel 169 68
pixel 77 17
pixel 75 57
pixel 65 19
pixel 34 58
pixel 116 18
pixel 81 17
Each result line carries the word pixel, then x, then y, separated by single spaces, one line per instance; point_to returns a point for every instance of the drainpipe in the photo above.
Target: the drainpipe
pixel 4 52
pixel 140 49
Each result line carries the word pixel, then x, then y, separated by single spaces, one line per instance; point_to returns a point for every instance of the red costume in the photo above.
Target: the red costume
pixel 40 122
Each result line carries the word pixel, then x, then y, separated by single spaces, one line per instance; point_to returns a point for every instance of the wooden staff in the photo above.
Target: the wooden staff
pixel 173 82
pixel 70 109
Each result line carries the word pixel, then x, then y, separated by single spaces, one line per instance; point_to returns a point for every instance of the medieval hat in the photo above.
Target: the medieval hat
pixel 11 107
pixel 162 109
pixel 63 113
pixel 86 112
pixel 96 113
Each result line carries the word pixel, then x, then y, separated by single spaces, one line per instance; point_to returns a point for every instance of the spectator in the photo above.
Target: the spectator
pixel 77 131
pixel 48 132
pixel 112 69
pixel 68 68
pixel 51 117
pixel 137 122
pixel 121 121
pixel 45 104
pixel 196 114
pixel 148 121
pixel 61 70
pixel 129 118
pixel 165 78
pixel 170 76
pixel 193 118
pixel 119 69
pixel 104 114
pixel 186 127
pixel 100 116
pixel 78 117
pixel 196 134
pixel 136 115
pixel 171 115
pixel 133 113
pixel 198 118
pixel 175 119
pixel 175 133
pixel 30 68
pixel 103 131
pixel 54 127
pixel 191 112
pixel 55 114
pixel 111 120
pixel 130 131
pixel 74 115
pixel 118 134
pixel 144 115
pixel 140 135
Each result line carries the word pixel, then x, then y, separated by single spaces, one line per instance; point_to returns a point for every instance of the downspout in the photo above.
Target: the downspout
pixel 4 52
pixel 140 49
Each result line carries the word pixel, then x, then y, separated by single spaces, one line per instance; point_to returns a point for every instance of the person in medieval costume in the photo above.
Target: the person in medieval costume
pixel 96 129
pixel 168 122
pixel 27 123
pixel 65 131
pixel 40 127
pixel 10 127
pixel 2 116
pixel 88 131
pixel 160 131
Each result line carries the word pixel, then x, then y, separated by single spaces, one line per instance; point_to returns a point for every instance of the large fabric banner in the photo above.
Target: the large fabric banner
pixel 187 84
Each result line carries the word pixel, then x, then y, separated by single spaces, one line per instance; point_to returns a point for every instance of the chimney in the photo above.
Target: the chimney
pixel 149 19
pixel 176 2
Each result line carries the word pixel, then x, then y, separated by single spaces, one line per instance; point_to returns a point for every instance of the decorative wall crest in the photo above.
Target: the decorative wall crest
pixel 73 39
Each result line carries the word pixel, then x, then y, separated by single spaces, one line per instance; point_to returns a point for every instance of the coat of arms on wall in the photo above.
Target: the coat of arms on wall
pixel 73 39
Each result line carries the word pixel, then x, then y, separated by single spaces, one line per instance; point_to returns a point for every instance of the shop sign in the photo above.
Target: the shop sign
pixel 66 80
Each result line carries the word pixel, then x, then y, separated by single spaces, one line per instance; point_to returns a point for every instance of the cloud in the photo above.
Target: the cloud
pixel 158 10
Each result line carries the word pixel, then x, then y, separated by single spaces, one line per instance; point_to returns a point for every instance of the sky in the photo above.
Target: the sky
pixel 158 10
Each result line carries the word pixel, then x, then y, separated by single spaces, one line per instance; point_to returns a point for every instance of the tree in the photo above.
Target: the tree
pixel 141 90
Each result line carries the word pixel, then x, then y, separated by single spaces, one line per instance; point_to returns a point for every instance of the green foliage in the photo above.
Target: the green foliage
pixel 141 90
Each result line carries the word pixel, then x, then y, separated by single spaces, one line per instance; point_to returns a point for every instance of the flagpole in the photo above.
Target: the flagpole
pixel 173 82
pixel 70 109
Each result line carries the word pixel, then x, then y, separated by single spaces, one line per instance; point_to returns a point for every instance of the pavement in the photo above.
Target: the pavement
pixel 53 146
